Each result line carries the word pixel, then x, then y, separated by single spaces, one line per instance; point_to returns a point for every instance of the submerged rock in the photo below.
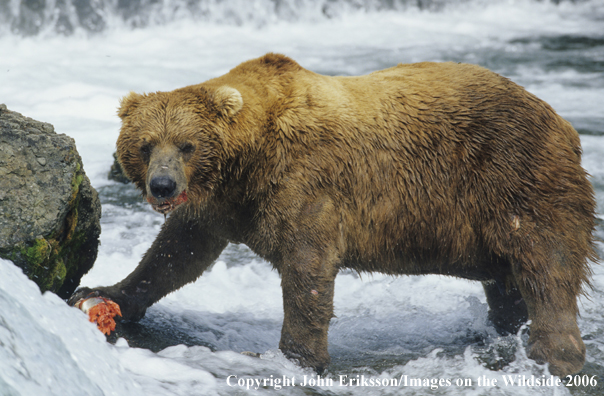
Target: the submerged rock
pixel 49 212
pixel 116 173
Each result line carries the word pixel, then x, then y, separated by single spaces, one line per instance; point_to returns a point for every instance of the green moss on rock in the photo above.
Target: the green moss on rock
pixel 37 254
pixel 50 260
pixel 43 262
pixel 50 222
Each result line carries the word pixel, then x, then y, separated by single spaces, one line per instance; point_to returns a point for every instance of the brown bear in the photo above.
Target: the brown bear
pixel 428 168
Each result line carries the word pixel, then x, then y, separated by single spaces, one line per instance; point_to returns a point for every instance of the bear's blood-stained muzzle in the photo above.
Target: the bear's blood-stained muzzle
pixel 168 205
pixel 166 180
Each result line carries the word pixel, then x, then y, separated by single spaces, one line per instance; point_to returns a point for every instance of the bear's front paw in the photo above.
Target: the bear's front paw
pixel 318 365
pixel 303 354
pixel 84 293
pixel 131 309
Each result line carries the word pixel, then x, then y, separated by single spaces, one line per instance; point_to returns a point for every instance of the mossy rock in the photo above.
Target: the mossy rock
pixel 49 212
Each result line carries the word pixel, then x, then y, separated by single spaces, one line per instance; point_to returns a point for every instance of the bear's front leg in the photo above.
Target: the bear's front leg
pixel 308 286
pixel 179 255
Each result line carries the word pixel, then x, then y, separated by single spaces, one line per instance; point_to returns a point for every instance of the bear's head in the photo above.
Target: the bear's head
pixel 171 144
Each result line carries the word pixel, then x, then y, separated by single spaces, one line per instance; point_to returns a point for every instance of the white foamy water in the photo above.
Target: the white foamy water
pixel 430 327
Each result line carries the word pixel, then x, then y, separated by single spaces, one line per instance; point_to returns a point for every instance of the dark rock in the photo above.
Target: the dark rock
pixel 49 212
pixel 116 172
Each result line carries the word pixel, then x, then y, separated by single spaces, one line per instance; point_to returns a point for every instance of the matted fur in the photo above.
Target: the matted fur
pixel 428 168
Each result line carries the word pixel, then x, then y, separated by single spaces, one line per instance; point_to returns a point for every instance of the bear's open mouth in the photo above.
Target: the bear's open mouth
pixel 167 205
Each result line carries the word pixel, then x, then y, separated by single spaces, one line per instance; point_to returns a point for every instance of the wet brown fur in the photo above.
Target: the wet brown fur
pixel 428 168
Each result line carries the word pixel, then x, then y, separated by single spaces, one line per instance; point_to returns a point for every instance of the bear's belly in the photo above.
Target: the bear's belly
pixel 482 270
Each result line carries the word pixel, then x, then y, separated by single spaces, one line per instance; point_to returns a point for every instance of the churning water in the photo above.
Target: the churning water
pixel 69 62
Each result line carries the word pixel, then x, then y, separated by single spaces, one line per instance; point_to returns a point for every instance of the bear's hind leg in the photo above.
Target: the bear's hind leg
pixel 507 309
pixel 550 289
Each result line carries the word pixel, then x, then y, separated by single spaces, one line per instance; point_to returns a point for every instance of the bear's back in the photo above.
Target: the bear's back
pixel 404 148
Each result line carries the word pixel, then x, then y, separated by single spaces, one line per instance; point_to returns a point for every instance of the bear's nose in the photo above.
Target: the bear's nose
pixel 162 187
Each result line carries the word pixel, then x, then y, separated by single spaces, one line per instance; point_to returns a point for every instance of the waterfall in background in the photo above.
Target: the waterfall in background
pixel 32 17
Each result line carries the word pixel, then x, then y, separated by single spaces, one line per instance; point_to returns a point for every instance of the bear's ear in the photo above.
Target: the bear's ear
pixel 228 101
pixel 128 103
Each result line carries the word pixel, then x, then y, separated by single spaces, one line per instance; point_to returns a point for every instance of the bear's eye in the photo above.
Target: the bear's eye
pixel 187 148
pixel 145 149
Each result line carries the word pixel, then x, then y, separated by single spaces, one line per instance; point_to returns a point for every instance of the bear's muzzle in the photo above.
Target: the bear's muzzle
pixel 167 205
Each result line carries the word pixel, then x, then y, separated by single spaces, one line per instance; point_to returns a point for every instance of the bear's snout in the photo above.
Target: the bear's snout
pixel 166 179
pixel 162 187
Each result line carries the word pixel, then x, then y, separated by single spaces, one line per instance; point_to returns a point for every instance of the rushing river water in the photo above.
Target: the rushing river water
pixel 68 63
